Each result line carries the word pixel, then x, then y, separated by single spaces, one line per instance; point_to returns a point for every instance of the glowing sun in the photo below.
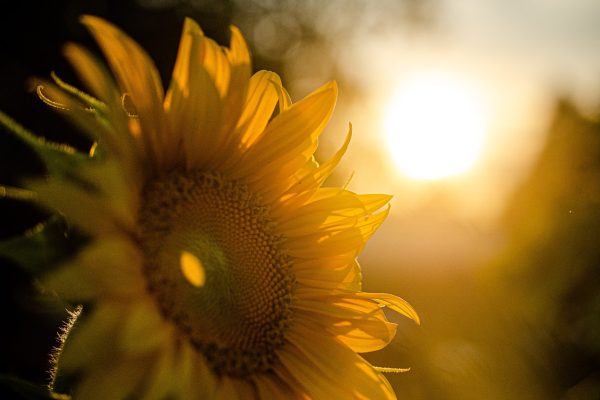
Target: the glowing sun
pixel 435 127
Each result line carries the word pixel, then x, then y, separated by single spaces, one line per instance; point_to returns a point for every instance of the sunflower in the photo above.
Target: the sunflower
pixel 217 265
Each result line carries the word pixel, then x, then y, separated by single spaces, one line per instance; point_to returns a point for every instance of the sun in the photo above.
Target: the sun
pixel 435 126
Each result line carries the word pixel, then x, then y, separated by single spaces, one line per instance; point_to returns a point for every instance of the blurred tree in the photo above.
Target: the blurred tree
pixel 551 266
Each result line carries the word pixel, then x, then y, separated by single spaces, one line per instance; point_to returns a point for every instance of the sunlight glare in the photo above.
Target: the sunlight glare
pixel 435 127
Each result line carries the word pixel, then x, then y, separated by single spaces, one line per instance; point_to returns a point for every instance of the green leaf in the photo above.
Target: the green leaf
pixel 18 389
pixel 44 245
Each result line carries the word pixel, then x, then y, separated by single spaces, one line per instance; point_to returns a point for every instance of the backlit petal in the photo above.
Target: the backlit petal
pixel 138 77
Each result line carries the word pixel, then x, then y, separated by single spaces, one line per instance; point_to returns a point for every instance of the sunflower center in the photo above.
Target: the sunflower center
pixel 215 267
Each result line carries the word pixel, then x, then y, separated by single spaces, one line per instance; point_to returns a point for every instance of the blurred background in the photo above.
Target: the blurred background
pixel 480 117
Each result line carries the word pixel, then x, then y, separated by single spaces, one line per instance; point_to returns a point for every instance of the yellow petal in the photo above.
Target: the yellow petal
pixel 178 374
pixel 113 381
pixel 97 79
pixel 395 303
pixel 178 93
pixel 289 140
pixel 306 181
pixel 310 378
pixel 226 390
pixel 75 203
pixel 192 378
pixel 108 267
pixel 341 306
pixel 238 57
pixel 364 335
pixel 215 61
pixel 341 210
pixel 329 369
pixel 258 108
pixel 243 388
pixel 271 386
pixel 284 99
pixel 193 105
pixel 359 324
pixel 238 53
pixel 138 77
pixel 337 261
pixel 115 134
pixel 159 381
pixel 332 243
pixel 315 274
pixel 144 330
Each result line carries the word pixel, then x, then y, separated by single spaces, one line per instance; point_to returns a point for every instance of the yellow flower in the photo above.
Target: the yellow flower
pixel 217 265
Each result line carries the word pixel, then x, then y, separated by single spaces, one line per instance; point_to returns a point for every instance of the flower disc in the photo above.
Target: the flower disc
pixel 238 315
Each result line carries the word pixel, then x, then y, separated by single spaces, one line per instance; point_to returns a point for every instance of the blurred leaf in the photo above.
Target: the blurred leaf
pixel 19 389
pixel 42 246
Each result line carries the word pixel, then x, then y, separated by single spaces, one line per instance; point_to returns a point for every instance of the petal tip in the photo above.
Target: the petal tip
pixel 90 20
pixel 235 30
pixel 190 25
pixel 333 86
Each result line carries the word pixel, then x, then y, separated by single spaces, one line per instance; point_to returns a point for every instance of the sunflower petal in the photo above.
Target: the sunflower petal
pixel 238 57
pixel 342 210
pixel 327 368
pixel 257 110
pixel 107 267
pixel 138 77
pixel 289 140
pixel 215 61
pixel 272 387
pixel 115 134
pixel 366 335
pixel 284 99
pixel 308 180
pixel 193 104
pixel 226 390
pixel 143 318
pixel 159 383
pixel 358 323
pixel 314 274
pixel 115 382
pixel 395 303
pixel 74 203
pixel 93 74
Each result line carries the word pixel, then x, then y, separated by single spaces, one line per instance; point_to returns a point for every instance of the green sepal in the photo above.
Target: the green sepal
pixel 60 381
pixel 19 389
pixel 59 159
pixel 41 247
pixel 92 103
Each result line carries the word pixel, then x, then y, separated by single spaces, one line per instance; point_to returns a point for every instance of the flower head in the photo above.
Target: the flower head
pixel 218 266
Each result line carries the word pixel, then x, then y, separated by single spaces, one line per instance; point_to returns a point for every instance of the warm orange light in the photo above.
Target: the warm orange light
pixel 435 126
pixel 192 269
